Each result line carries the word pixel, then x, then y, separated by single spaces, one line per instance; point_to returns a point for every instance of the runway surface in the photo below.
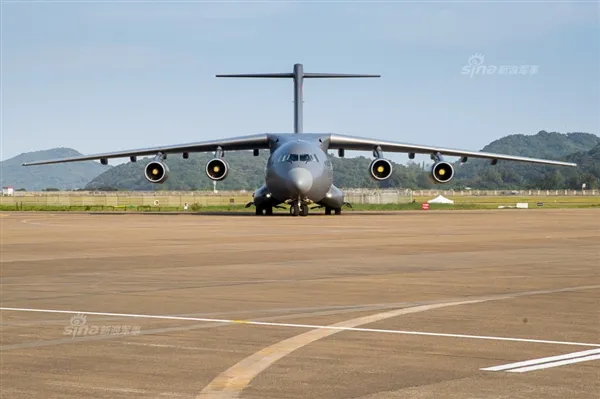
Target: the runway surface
pixel 482 304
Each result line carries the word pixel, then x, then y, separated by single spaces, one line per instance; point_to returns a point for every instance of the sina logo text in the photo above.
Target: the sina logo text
pixel 476 66
pixel 78 327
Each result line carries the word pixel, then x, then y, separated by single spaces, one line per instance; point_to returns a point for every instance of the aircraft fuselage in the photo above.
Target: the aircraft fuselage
pixel 298 171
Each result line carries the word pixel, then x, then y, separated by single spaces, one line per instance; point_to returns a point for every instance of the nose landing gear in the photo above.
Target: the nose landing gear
pixel 298 208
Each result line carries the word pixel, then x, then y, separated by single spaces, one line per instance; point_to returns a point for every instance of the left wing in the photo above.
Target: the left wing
pixel 337 141
pixel 258 141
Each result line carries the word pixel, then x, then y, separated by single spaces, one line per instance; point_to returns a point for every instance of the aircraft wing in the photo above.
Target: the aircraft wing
pixel 338 141
pixel 258 141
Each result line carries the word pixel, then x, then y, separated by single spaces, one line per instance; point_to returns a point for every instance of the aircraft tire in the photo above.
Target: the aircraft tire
pixel 269 210
pixel 294 209
pixel 327 210
pixel 259 211
pixel 338 211
pixel 304 210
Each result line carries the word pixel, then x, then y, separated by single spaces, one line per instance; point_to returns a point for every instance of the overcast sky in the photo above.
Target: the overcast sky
pixel 105 76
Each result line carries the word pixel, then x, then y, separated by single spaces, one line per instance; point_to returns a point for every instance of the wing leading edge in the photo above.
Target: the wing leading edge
pixel 258 141
pixel 337 141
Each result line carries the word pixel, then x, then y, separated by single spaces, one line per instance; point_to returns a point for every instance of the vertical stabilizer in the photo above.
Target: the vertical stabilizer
pixel 298 75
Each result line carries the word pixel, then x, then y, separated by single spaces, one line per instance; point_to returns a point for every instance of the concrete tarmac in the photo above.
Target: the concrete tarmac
pixel 428 304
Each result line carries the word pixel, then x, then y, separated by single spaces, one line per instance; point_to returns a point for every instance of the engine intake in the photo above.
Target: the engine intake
pixel 217 169
pixel 442 172
pixel 381 169
pixel 156 172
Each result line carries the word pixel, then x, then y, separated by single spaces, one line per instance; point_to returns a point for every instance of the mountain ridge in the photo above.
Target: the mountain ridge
pixel 67 176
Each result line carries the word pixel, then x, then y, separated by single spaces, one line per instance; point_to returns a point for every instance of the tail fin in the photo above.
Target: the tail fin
pixel 298 75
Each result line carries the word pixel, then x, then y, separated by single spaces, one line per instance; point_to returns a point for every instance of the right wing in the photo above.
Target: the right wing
pixel 337 141
pixel 258 141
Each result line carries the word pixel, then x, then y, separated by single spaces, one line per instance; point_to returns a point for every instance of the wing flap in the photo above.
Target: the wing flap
pixel 259 141
pixel 337 141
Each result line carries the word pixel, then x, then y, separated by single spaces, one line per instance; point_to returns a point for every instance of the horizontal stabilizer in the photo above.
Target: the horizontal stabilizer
pixel 258 75
pixel 303 75
pixel 339 75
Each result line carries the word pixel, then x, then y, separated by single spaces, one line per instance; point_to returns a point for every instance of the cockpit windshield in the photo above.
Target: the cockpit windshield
pixel 298 157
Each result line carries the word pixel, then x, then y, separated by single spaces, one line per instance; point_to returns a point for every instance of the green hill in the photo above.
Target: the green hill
pixel 588 171
pixel 543 144
pixel 65 176
pixel 480 174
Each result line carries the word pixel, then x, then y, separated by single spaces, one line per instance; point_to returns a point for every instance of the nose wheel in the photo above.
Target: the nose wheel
pixel 298 209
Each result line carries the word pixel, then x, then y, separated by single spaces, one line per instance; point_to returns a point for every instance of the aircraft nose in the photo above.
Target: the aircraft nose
pixel 301 180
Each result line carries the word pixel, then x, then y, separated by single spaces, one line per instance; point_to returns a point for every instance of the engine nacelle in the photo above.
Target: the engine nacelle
pixel 156 172
pixel 442 172
pixel 217 169
pixel 380 169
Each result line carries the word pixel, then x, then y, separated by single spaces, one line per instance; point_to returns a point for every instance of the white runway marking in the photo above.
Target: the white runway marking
pixel 555 364
pixel 547 362
pixel 304 326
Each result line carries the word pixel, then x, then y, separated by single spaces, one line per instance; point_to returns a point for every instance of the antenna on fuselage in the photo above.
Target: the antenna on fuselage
pixel 298 75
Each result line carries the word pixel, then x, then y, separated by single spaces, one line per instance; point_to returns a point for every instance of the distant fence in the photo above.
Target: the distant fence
pixel 178 198
pixel 223 198
pixel 504 193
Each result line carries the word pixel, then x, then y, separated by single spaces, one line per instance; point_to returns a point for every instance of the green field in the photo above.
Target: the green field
pixel 461 203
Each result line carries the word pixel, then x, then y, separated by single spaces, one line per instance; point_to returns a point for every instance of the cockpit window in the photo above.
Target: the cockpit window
pixel 298 157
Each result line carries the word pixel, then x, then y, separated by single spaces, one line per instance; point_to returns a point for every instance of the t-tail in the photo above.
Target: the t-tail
pixel 298 75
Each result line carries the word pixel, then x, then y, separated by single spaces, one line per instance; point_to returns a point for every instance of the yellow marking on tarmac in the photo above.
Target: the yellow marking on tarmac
pixel 3 214
pixel 230 383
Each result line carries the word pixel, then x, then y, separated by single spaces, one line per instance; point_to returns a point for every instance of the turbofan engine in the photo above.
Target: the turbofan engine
pixel 156 172
pixel 442 172
pixel 381 169
pixel 217 169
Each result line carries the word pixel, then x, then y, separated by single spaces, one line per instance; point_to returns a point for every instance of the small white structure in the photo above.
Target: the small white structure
pixel 440 199
pixel 10 191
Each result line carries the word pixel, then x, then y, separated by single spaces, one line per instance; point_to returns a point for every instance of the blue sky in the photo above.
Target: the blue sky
pixel 105 76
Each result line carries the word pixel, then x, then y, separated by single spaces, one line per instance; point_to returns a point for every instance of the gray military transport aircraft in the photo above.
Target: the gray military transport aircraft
pixel 298 171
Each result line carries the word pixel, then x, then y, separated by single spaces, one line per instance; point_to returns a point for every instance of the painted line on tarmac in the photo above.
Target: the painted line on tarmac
pixel 327 311
pixel 231 383
pixel 309 326
pixel 555 364
pixel 547 362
